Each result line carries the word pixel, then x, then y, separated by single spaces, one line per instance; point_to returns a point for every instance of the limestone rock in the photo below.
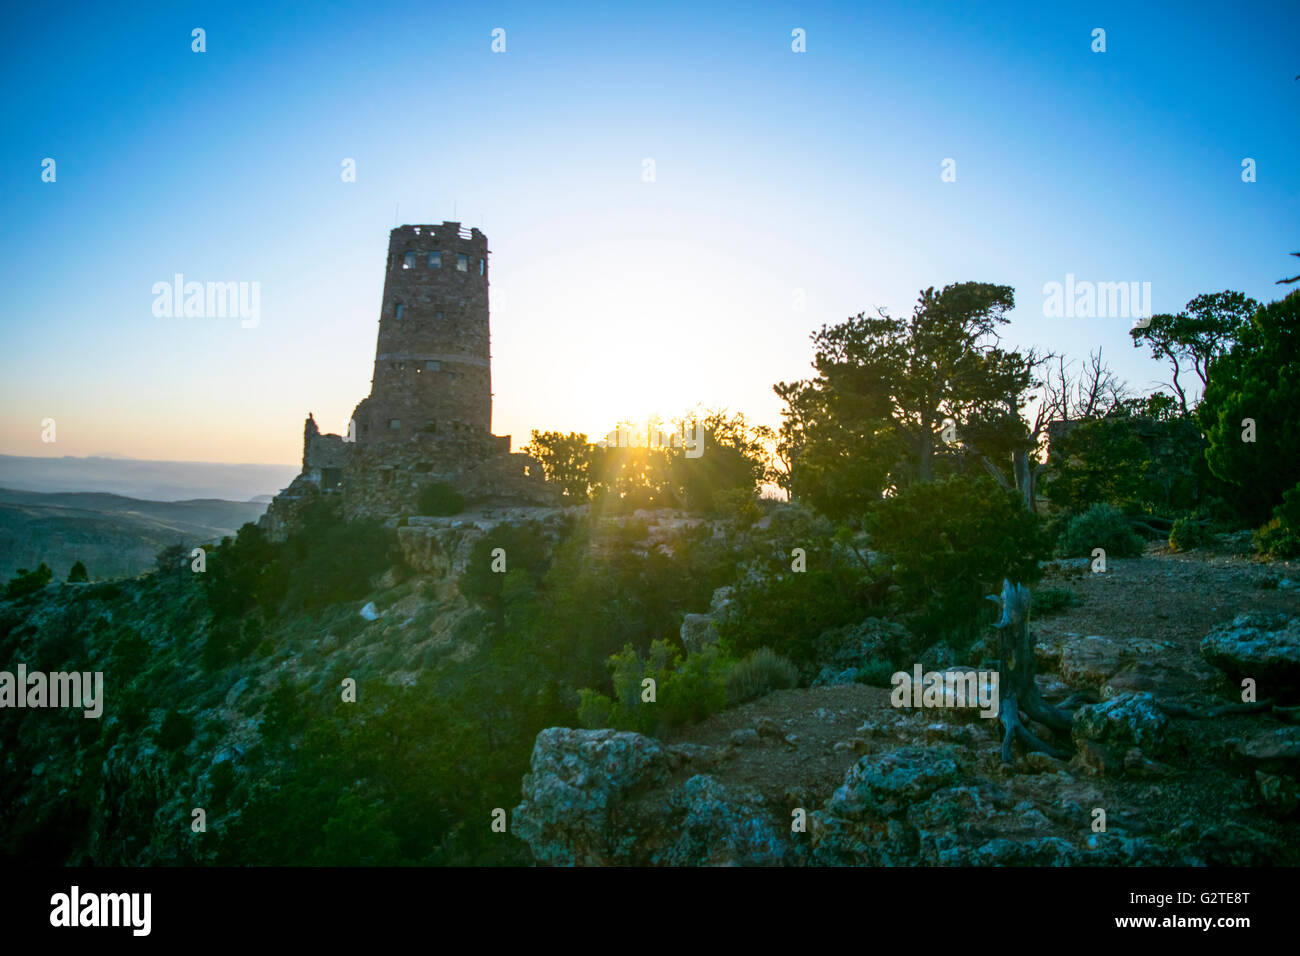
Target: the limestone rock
pixel 578 782
pixel 1129 720
pixel 885 784
pixel 1265 647
pixel 1280 793
pixel 698 631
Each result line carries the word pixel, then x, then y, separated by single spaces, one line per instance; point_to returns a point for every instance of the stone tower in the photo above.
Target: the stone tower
pixel 428 417
pixel 432 373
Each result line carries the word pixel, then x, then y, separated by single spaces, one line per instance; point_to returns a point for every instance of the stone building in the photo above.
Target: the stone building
pixel 428 417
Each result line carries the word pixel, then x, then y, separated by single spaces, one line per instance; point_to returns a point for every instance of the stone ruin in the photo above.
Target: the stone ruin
pixel 428 416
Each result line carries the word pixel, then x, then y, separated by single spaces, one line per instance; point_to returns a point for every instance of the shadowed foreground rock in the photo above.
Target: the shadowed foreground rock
pixel 1265 647
pixel 583 805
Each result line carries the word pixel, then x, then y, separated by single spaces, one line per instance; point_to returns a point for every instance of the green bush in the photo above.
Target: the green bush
pixel 176 732
pixel 1188 534
pixel 439 500
pixel 331 561
pixel 1256 380
pixel 28 582
pixel 789 612
pixel 1280 537
pixel 1051 601
pixel 760 673
pixel 685 691
pixel 950 543
pixel 222 782
pixel 1101 526
pixel 219 648
pixel 78 574
pixel 877 672
pixel 527 557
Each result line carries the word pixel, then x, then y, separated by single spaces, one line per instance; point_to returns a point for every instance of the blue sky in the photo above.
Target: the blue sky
pixel 612 298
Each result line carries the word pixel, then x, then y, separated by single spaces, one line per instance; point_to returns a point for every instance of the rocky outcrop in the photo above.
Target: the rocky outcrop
pixel 1272 758
pixel 873 640
pixel 1265 647
pixel 1090 662
pixel 701 630
pixel 576 794
pixel 583 804
pixel 1127 721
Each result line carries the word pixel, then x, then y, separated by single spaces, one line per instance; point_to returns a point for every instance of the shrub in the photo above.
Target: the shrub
pixel 950 543
pixel 78 574
pixel 528 555
pixel 176 732
pixel 1256 379
pixel 172 559
pixel 332 561
pixel 28 582
pixel 222 782
pixel 219 648
pixel 1280 537
pixel 1188 534
pixel 788 613
pixel 877 672
pixel 1101 526
pixel 685 691
pixel 439 499
pixel 1052 601
pixel 760 673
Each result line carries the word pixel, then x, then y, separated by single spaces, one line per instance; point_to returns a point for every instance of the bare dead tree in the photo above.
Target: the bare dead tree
pixel 1018 698
pixel 1064 394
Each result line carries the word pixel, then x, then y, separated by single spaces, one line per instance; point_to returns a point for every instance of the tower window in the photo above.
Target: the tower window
pixel 400 310
pixel 482 267
pixel 408 261
pixel 394 424
pixel 437 315
pixel 435 260
pixel 462 262
pixel 432 366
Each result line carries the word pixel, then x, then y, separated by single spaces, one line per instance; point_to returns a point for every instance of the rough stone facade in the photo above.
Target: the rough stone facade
pixel 428 417
pixel 432 370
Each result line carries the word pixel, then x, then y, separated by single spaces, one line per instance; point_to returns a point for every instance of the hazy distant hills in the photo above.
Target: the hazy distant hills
pixel 110 534
pixel 148 480
pixel 115 514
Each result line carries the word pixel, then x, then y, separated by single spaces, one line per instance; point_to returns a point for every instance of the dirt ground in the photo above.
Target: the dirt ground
pixel 808 738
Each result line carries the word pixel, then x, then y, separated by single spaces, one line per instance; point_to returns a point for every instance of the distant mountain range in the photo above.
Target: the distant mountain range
pixel 115 514
pixel 148 480
pixel 110 534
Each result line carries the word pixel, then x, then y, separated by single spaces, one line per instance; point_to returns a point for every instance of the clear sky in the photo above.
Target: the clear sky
pixel 612 298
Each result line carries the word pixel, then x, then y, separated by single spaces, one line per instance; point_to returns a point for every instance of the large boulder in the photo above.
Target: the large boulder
pixel 578 784
pixel 874 639
pixel 1265 647
pixel 707 824
pixel 882 785
pixel 1088 662
pixel 698 631
pixel 607 798
pixel 1122 723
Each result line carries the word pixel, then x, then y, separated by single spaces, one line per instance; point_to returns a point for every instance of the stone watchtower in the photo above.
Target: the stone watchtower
pixel 428 417
pixel 432 373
